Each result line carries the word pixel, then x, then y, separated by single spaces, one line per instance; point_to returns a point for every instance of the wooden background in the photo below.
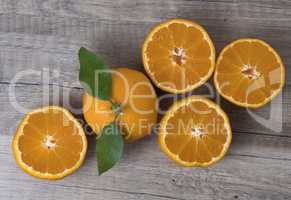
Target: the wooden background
pixel 43 36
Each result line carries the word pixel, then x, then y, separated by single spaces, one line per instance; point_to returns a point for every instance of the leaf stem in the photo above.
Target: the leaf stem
pixel 116 108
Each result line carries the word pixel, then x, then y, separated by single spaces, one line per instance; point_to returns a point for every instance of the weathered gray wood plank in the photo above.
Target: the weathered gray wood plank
pixel 50 42
pixel 145 172
pixel 27 97
pixel 118 43
pixel 42 34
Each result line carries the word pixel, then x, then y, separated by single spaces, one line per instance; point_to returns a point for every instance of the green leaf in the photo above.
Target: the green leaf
pixel 94 74
pixel 109 148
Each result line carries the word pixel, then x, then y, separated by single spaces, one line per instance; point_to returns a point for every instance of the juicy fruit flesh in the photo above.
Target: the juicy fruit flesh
pixel 196 133
pixel 179 56
pixel 50 143
pixel 249 72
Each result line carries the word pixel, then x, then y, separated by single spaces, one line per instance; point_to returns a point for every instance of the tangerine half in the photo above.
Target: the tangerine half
pixel 195 132
pixel 249 73
pixel 49 143
pixel 178 55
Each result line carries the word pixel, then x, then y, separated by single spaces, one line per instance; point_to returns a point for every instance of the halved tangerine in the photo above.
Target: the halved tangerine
pixel 49 143
pixel 195 132
pixel 178 55
pixel 249 73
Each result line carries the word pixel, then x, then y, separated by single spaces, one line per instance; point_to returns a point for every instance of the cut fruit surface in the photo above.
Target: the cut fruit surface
pixel 249 73
pixel 49 143
pixel 195 132
pixel 178 55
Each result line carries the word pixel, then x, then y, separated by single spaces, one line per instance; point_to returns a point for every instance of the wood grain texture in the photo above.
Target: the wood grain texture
pixel 43 36
pixel 145 172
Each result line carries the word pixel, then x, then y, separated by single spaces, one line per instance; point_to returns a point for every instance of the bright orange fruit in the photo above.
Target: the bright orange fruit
pixel 49 143
pixel 249 73
pixel 135 95
pixel 178 55
pixel 195 132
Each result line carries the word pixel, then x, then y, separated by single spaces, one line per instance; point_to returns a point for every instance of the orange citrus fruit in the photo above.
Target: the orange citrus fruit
pixel 195 132
pixel 249 73
pixel 136 97
pixel 178 55
pixel 49 143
